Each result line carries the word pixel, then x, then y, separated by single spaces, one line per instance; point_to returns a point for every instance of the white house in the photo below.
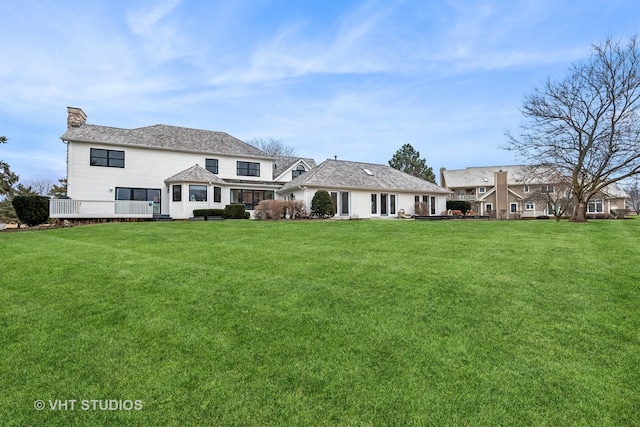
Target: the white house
pixel 366 190
pixel 168 171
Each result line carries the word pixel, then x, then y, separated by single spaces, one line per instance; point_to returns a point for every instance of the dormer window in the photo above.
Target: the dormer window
pixel 298 171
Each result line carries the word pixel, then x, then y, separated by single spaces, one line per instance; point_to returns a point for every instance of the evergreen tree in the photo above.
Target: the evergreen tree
pixel 408 160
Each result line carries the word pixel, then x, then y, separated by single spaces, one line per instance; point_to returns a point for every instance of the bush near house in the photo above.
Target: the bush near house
pixel 31 210
pixel 278 209
pixel 235 211
pixel 322 204
pixel 463 206
pixel 210 212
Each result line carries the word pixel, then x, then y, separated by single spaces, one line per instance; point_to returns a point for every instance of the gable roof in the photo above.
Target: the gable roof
pixel 482 176
pixel 195 173
pixel 357 175
pixel 166 138
pixel 282 163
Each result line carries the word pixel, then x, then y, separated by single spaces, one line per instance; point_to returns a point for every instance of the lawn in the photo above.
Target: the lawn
pixel 322 323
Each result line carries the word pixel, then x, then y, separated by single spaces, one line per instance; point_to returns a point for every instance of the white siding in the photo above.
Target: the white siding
pixel 148 168
pixel 360 202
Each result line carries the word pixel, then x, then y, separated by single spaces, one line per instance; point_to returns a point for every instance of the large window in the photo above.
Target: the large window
pixel 383 204
pixel 250 198
pixel 248 169
pixel 217 194
pixel 140 194
pixel 143 194
pixel 211 165
pixel 198 193
pixel 374 204
pixel 107 158
pixel 595 206
pixel 392 204
pixel 513 207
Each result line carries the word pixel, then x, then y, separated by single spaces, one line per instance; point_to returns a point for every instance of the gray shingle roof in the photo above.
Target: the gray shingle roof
pixel 281 164
pixel 195 173
pixel 483 176
pixel 164 137
pixel 353 175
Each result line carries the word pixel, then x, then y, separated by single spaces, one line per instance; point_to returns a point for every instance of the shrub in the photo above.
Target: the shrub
pixel 270 209
pixel 298 209
pixel 422 209
pixel 619 213
pixel 322 204
pixel 463 206
pixel 235 211
pixel 209 212
pixel 31 210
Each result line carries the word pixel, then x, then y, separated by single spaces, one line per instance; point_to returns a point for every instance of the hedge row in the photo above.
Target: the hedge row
pixel 233 211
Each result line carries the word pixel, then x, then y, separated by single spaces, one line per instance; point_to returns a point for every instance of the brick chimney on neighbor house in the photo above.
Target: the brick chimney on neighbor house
pixel 76 117
pixel 502 194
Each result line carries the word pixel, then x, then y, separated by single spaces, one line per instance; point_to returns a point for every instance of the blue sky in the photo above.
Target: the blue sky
pixel 353 79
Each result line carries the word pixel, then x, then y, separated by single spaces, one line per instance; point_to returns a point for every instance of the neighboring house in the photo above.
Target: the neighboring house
pixel 168 171
pixel 365 190
pixel 511 192
pixel 163 171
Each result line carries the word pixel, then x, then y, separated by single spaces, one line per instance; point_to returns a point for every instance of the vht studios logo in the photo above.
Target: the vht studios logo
pixel 88 405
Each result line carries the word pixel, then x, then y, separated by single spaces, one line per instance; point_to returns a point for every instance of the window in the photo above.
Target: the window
pixel 107 158
pixel 482 190
pixel 334 199
pixel 198 193
pixel 344 203
pixel 595 206
pixel 177 193
pixel 211 165
pixel 513 207
pixel 374 204
pixel 529 206
pixel 392 204
pixel 217 194
pixel 250 198
pixel 417 199
pixel 548 188
pixel 433 205
pixel 298 171
pixel 248 169
pixel 526 188
pixel 489 207
pixel 140 194
pixel 383 204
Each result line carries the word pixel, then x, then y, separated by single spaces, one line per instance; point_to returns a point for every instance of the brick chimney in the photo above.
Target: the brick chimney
pixel 76 117
pixel 502 194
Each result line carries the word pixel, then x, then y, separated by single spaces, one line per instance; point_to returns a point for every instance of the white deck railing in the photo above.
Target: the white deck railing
pixel 69 208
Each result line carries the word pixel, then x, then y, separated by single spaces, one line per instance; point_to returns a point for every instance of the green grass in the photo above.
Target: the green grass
pixel 323 323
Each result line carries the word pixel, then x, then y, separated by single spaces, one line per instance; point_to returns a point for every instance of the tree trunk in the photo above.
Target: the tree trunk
pixel 579 213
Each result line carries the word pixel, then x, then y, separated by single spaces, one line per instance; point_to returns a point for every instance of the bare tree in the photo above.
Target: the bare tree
pixel 548 186
pixel 272 146
pixel 633 190
pixel 586 126
pixel 40 187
